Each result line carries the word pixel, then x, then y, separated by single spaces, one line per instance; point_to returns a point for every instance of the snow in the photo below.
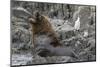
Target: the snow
pixel 77 24
pixel 21 59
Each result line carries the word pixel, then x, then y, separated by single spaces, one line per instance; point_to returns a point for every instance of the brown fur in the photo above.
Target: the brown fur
pixel 41 25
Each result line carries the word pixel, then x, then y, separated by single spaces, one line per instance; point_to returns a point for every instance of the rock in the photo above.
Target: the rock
pixel 20 12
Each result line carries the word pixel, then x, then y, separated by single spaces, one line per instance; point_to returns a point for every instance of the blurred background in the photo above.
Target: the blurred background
pixel 63 18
